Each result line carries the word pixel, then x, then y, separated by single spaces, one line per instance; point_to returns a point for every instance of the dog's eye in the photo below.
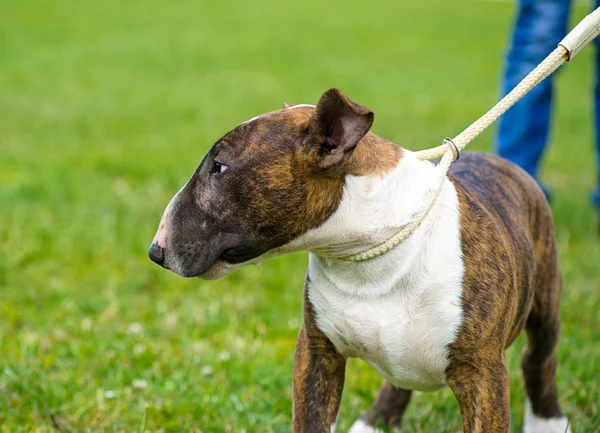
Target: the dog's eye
pixel 218 168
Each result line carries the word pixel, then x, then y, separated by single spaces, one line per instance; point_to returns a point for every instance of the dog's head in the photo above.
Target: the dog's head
pixel 262 185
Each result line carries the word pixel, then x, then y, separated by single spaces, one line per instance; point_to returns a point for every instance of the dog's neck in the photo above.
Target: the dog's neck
pixel 372 209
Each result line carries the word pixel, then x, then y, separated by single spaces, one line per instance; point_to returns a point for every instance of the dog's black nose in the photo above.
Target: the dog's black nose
pixel 156 254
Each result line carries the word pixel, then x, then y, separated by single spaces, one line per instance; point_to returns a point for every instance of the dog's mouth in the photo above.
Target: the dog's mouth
pixel 219 270
pixel 203 261
pixel 228 261
pixel 233 259
pixel 239 254
pixel 208 260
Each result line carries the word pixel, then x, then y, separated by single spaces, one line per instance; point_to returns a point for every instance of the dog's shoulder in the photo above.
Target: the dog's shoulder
pixel 499 200
pixel 501 187
pixel 500 206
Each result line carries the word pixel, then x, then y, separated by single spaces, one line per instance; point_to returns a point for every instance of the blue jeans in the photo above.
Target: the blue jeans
pixel 523 130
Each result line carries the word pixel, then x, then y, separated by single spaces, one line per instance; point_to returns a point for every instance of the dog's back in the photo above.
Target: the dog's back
pixel 507 192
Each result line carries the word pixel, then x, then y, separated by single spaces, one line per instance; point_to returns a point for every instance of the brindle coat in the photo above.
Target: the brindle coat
pixel 285 175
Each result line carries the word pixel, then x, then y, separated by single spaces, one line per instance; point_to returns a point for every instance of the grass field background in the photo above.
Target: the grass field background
pixel 106 108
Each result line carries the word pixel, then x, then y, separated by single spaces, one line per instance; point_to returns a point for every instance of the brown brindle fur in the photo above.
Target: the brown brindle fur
pixel 323 190
pixel 512 279
pixel 374 156
pixel 286 175
pixel 318 376
pixel 279 171
pixel 285 171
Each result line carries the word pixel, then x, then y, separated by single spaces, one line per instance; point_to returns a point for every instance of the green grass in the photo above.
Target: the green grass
pixel 106 107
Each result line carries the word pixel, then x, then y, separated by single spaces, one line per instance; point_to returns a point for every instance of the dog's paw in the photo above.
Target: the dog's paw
pixel 536 424
pixel 360 426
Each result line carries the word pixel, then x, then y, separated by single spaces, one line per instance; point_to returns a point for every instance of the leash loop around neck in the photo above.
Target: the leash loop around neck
pixel 453 148
pixel 450 149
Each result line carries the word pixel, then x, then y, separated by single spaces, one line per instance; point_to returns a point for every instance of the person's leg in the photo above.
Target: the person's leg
pixel 596 193
pixel 523 130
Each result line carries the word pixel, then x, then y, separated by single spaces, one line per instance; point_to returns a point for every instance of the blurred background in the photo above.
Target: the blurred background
pixel 107 107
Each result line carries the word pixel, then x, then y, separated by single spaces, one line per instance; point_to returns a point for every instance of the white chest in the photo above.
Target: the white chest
pixel 404 337
pixel 401 311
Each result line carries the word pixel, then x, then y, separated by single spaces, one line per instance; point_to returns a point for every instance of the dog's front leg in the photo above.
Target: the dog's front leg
pixel 481 388
pixel 318 382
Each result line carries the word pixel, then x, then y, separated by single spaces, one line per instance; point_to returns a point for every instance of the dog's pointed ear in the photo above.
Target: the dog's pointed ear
pixel 337 126
pixel 286 105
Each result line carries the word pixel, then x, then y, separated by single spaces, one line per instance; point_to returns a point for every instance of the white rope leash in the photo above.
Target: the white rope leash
pixel 449 151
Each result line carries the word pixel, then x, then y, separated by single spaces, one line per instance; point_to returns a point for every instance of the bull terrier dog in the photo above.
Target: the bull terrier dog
pixel 438 309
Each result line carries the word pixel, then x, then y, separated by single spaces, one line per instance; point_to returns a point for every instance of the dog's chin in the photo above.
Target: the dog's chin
pixel 219 270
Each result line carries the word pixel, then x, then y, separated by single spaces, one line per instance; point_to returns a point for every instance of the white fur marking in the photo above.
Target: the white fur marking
pixel 400 311
pixel 300 105
pixel 165 223
pixel 253 119
pixel 536 424
pixel 268 114
pixel 360 426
